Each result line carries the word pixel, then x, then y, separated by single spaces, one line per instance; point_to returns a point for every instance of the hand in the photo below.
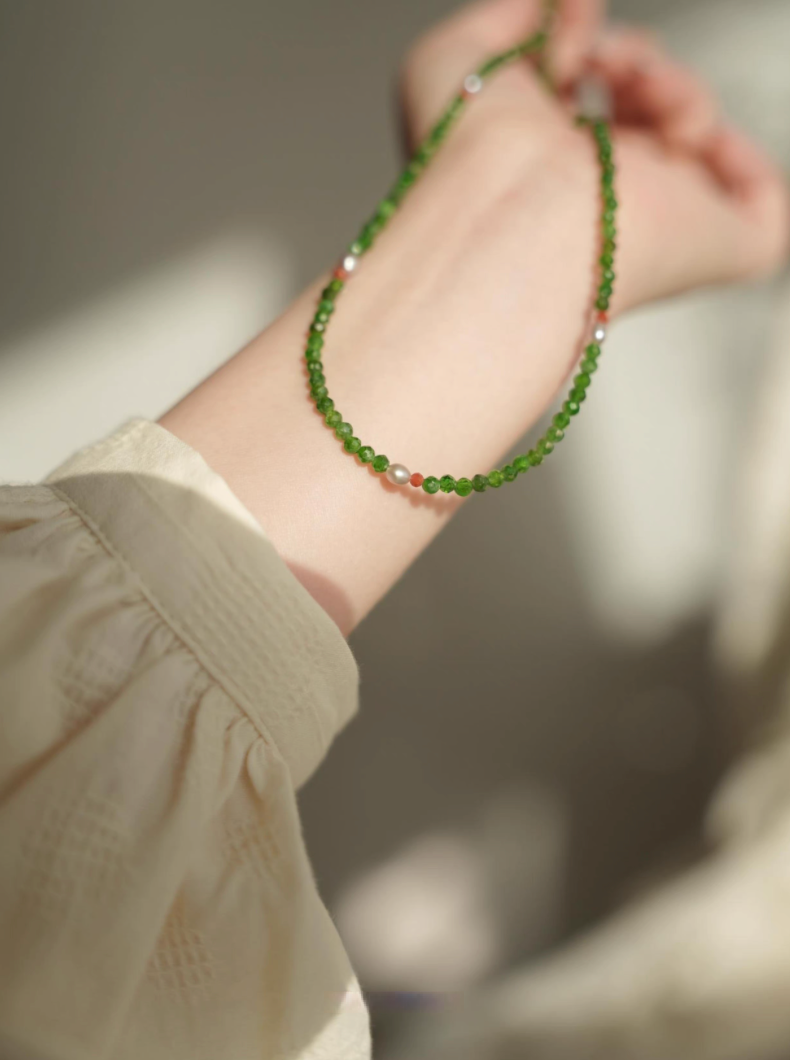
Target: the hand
pixel 457 332
pixel 700 203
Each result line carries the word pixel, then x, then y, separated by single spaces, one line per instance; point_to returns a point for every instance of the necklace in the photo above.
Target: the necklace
pixel 398 474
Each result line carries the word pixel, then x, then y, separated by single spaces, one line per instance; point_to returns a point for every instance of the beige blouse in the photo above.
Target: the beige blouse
pixel 166 684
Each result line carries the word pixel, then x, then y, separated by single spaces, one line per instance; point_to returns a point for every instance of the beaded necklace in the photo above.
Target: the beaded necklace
pixel 398 474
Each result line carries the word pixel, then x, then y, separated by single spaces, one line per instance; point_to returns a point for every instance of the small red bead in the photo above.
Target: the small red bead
pixel 603 317
pixel 417 479
pixel 340 273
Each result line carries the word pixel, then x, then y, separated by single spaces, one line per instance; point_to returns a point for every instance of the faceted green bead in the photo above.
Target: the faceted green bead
pixel 317 327
pixel 333 418
pixel 578 394
pixel 555 434
pixel 463 487
pixel 355 249
pixel 314 366
pixel 326 404
pixel 431 484
pixel 607 260
pixel 312 357
pixel 336 284
pixel 326 305
pixel 318 392
pixel 602 302
pixel 380 463
pixel 608 246
pixel 495 478
pixel 315 342
pixel 545 446
pixel 344 430
pixel 447 483
pixel 589 365
pixel 572 408
pixel 605 290
pixel 352 444
pixel 317 378
pixel 510 473
pixel 609 229
pixel 321 318
pixel 480 483
pixel 521 463
pixel 593 350
pixel 386 209
pixel 561 420
pixel 366 454
pixel 582 380
pixel 535 457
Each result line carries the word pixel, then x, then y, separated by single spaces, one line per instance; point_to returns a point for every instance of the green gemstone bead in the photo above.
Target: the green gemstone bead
pixel 602 303
pixel 326 305
pixel 380 463
pixel 431 484
pixel 609 229
pixel 463 487
pixel 344 430
pixel 447 483
pixel 355 249
pixel 333 418
pixel 386 209
pixel 495 479
pixel 352 444
pixel 480 483
pixel 589 365
pixel 582 380
pixel 317 378
pixel 535 457
pixel 578 394
pixel 593 350
pixel 572 408
pixel 545 446
pixel 318 392
pixel 326 404
pixel 561 420
pixel 555 434
pixel 521 463
pixel 321 318
pixel 366 454
pixel 336 285
pixel 510 473
pixel 317 327
pixel 605 290
pixel 312 357
pixel 608 246
pixel 315 342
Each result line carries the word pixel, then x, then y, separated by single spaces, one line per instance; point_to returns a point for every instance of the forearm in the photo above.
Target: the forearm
pixel 446 346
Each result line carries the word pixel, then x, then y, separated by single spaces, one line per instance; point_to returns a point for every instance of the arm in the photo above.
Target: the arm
pixel 464 321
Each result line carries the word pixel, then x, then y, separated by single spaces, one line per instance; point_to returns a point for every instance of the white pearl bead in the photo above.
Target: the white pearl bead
pixel 600 333
pixel 398 474
pixel 472 84
pixel 350 262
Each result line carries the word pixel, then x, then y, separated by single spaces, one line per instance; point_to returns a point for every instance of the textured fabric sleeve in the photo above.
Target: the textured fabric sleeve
pixel 165 685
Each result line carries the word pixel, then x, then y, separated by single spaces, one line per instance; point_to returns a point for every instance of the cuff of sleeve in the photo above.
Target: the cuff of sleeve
pixel 206 565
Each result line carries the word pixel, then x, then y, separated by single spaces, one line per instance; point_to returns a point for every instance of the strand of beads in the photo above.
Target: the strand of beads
pixel 398 474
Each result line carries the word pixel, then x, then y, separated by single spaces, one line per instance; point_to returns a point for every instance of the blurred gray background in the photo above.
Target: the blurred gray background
pixel 541 724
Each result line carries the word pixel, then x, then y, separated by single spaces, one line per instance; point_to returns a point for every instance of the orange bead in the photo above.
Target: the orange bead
pixel 340 273
pixel 603 317
pixel 417 479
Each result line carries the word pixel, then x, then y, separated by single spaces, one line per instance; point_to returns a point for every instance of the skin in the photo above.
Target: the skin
pixel 465 320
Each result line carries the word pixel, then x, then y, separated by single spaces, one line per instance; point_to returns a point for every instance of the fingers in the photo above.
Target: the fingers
pixel 749 175
pixel 576 28
pixel 650 89
pixel 436 65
